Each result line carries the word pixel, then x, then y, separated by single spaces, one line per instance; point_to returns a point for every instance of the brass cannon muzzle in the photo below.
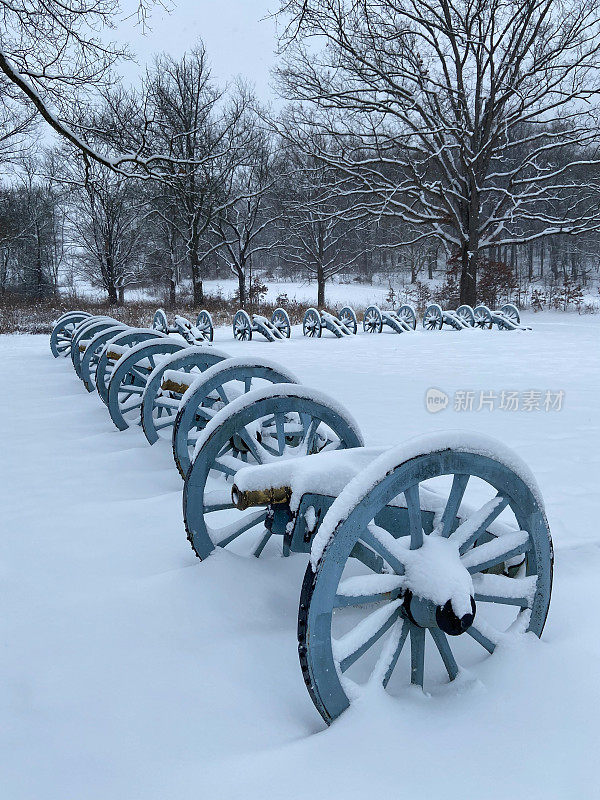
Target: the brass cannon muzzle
pixel 169 385
pixel 260 497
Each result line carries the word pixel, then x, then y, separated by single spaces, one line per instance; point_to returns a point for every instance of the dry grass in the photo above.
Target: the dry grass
pixel 19 314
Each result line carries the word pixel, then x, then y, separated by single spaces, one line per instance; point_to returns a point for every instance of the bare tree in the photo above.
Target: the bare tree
pixel 104 214
pixel 317 236
pixel 472 117
pixel 204 135
pixel 246 228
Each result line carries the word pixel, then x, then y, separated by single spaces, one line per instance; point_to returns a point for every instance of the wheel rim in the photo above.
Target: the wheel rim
pixel 408 316
pixel 372 321
pixel 215 389
pixel 311 325
pixel 205 325
pixel 483 317
pixel 348 318
pixel 159 408
pixel 129 379
pixel 433 318
pixel 93 352
pixel 279 422
pixel 467 315
pixel 380 616
pixel 62 333
pixel 242 326
pixel 281 321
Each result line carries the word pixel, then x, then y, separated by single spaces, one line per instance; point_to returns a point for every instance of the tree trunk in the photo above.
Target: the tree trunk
pixel 530 263
pixel 320 287
pixel 121 295
pixel 242 288
pixel 468 277
pixel 112 295
pixel 172 291
pixel 542 252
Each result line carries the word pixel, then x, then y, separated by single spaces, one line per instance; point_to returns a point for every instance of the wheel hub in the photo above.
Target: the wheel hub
pixel 425 614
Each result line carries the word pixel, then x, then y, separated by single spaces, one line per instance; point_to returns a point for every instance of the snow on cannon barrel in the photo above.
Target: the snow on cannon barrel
pixel 442 540
pixel 315 321
pixel 275 329
pixel 401 321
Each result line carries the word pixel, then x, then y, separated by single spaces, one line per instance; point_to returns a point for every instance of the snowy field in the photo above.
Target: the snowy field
pixel 131 670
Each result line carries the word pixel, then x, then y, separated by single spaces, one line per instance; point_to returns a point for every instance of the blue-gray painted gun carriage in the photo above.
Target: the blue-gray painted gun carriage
pixel 315 321
pixel 273 330
pixel 400 321
pixel 201 332
pixel 443 538
pixel 506 318
pixel 423 558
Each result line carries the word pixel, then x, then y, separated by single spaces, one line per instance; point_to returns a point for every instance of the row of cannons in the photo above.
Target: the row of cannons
pixel 422 558
pixel 401 320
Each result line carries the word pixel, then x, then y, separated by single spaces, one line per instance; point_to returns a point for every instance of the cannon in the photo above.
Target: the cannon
pixel 200 333
pixel 442 539
pixel 435 318
pixel 275 329
pixel 63 330
pixel 315 321
pixel 506 318
pixel 400 321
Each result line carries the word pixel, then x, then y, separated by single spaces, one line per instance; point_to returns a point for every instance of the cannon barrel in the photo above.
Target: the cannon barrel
pixel 277 495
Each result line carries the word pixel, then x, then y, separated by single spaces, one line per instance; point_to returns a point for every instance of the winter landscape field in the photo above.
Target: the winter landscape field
pixel 132 670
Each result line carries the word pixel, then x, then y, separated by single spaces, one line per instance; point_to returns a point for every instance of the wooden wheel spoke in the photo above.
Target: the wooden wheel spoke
pixel 280 428
pixel 258 452
pixel 459 484
pixel 417 655
pixel 504 590
pixel 228 465
pixel 164 423
pixel 354 644
pixel 366 589
pixel 217 500
pixel 499 549
pixel 390 653
pixel 415 521
pixel 384 544
pixel 441 642
pixel 262 544
pixel 472 528
pixel 481 638
pixel 230 532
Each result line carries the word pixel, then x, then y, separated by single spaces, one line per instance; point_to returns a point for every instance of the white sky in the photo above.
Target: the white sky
pixel 238 36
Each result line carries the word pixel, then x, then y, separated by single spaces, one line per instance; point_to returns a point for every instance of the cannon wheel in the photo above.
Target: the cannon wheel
pixel 281 321
pixel 483 317
pixel 127 338
pixel 160 321
pixel 84 335
pixel 348 319
pixel 372 320
pixel 242 326
pixel 158 412
pixel 130 376
pixel 433 319
pixel 91 356
pixel 311 324
pixel 408 315
pixel 211 392
pixel 205 325
pixel 62 332
pixel 357 610
pixel 467 315
pixel 512 312
pixel 280 421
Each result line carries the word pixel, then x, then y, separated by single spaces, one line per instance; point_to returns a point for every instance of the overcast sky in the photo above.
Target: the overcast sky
pixel 239 38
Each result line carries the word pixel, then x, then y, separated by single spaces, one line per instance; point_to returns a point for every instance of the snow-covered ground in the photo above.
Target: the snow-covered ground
pixel 131 670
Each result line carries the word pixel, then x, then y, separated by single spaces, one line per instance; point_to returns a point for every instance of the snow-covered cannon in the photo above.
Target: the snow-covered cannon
pixel 315 321
pixel 400 321
pixel 443 538
pixel 274 329
pixel 506 318
pixel 435 317
pixel 213 390
pixel 201 332
pixel 63 330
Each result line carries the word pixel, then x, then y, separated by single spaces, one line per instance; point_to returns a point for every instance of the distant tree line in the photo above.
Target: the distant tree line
pixel 456 141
